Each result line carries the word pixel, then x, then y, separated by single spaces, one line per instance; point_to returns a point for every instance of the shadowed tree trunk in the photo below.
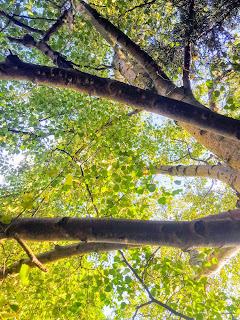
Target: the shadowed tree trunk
pixel 221 230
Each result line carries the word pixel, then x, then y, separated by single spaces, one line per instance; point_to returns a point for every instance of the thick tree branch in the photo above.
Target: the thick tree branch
pixel 226 149
pixel 113 35
pixel 222 230
pixel 29 42
pixel 187 50
pixel 225 174
pixel 56 26
pixel 14 69
pixel 154 300
pixel 63 252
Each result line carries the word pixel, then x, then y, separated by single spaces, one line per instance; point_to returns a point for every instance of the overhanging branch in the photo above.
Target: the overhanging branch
pixel 222 230
pixel 62 252
pixel 14 69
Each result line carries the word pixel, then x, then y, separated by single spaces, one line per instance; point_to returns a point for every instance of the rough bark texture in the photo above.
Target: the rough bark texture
pixel 226 149
pixel 14 69
pixel 113 35
pixel 225 174
pixel 223 256
pixel 62 252
pixel 219 231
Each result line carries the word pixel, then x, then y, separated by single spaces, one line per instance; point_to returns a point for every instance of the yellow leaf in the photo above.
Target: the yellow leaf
pixel 69 180
pixel 23 274
pixel 51 172
pixel 28 196
pixel 6 219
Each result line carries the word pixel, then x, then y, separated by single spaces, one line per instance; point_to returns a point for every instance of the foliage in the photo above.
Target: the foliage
pixel 68 154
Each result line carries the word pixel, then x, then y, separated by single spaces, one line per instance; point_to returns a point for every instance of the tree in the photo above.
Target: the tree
pixel 82 119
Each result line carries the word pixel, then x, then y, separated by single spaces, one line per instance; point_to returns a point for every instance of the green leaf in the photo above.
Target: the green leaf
pixel 206 264
pixel 23 274
pixel 152 169
pixel 209 84
pixel 177 191
pixel 116 188
pixel 214 260
pixel 236 66
pixel 2 301
pixel 230 100
pixel 151 187
pixel 14 307
pixel 162 201
pixel 6 219
pixel 108 288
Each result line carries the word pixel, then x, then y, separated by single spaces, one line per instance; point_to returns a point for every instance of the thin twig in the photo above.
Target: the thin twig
pixel 33 18
pixel 149 293
pixel 189 153
pixel 141 305
pixel 89 193
pixel 38 207
pixel 4 260
pixel 137 6
pixel 56 26
pixel 30 253
pixel 19 23
pixel 148 262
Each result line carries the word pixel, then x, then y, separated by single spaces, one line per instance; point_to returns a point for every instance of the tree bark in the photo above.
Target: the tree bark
pixel 225 174
pixel 221 230
pixel 225 148
pixel 14 69
pixel 62 252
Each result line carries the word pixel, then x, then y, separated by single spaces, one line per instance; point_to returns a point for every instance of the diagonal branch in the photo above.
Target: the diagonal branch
pixel 56 26
pixel 145 3
pixel 33 18
pixel 63 252
pixel 30 253
pixel 225 148
pixel 14 69
pixel 165 306
pixel 221 257
pixel 19 23
pixel 115 35
pixel 29 42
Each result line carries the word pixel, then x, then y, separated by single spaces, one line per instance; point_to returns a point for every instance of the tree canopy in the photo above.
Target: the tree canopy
pixel 120 159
